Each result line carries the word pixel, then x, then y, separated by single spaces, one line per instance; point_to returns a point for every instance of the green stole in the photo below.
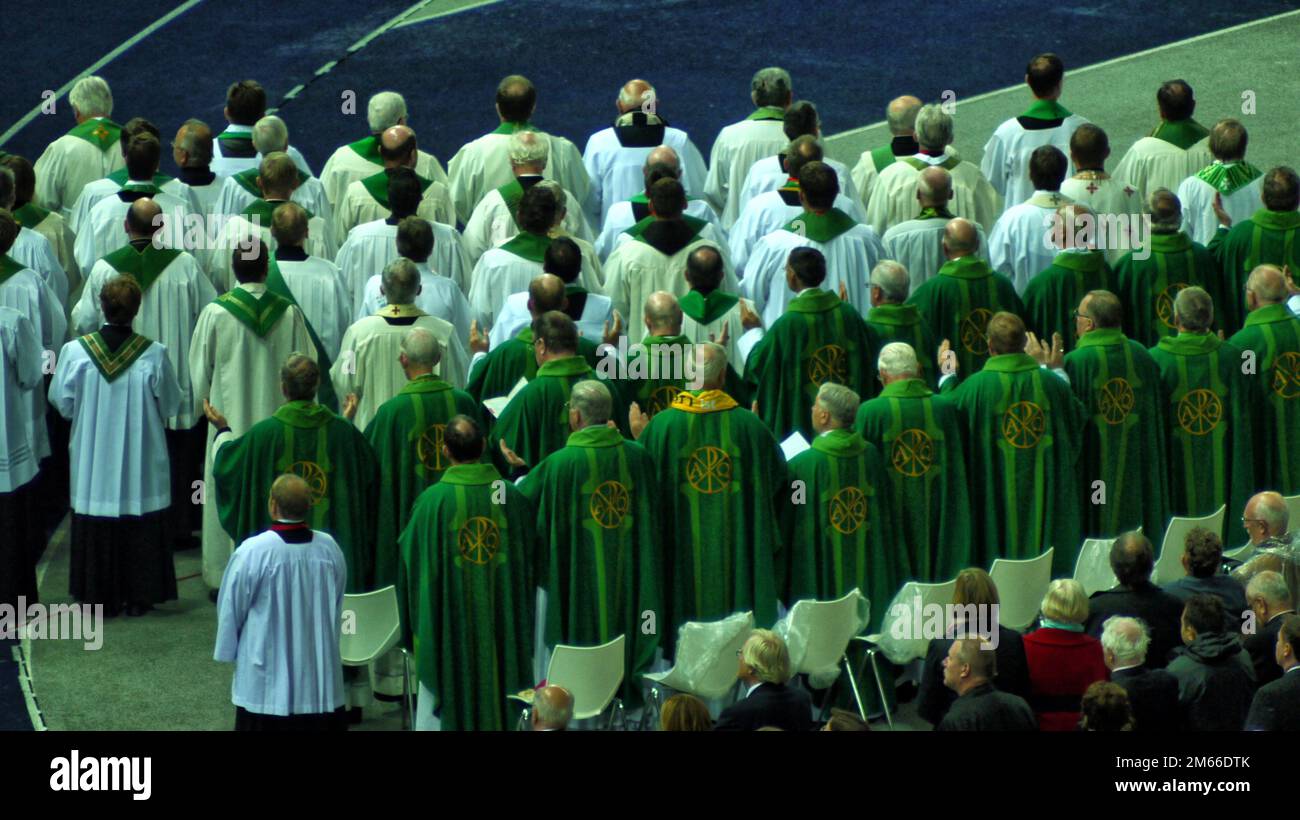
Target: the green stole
pixel 1046 110
pixel 935 213
pixel 112 365
pixel 102 133
pixel 1228 177
pixel 707 308
pixel 637 231
pixel 1182 133
pixel 264 210
pixel 821 227
pixel 368 149
pixel 508 128
pixel 30 215
pixel 145 265
pixel 247 179
pixel 883 157
pixel 767 112
pixel 276 285
pixel 235 136
pixel 8 267
pixel 122 178
pixel 258 315
pixel 377 186
pixel 528 245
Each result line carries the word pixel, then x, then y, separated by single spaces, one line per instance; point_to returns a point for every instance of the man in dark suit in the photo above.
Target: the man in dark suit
pixel 768 701
pixel 1203 562
pixel 1270 600
pixel 1276 707
pixel 968 671
pixel 1132 559
pixel 1152 693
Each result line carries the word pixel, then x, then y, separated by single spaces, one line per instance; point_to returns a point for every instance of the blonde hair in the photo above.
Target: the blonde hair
pixel 767 655
pixel 1065 601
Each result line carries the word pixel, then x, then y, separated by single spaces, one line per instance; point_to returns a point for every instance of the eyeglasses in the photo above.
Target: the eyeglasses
pixel 1075 314
pixel 1246 522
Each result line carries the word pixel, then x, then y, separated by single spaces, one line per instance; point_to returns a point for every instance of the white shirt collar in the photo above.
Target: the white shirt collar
pixel 1122 668
pixel 239 129
pixel 751 689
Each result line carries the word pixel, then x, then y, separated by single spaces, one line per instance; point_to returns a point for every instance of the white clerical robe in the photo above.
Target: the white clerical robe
pixel 359 207
pixel 370 247
pixel 514 317
pixel 865 176
pixel 917 245
pixel 55 230
pixel 738 147
pixel 345 166
pixel 104 230
pixel 368 365
pixel 849 260
pixel 1197 198
pixel 768 174
pixel 492 223
pixel 1153 163
pixel 168 313
pixel 438 296
pixel 20 376
pixel 220 262
pixel 35 251
pixel 118 452
pixel 317 287
pixel 1021 242
pixel 229 166
pixel 699 332
pixel 101 189
pixel 637 269
pixel 239 373
pixel 1006 155
pixel 26 292
pixel 621 216
pixel 500 273
pixel 234 197
pixel 1109 196
pixel 893 199
pixel 617 173
pixel 768 212
pixel 207 192
pixel 483 165
pixel 67 165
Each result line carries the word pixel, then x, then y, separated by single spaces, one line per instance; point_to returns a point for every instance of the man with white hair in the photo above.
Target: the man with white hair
pixel 917 243
pixel 493 221
pixel 360 159
pixel 1046 122
pixel 1055 290
pixel 614 156
pixel 894 320
pixel 661 163
pixel 764 671
pixel 483 165
pixel 439 295
pixel 366 199
pixel 1267 523
pixel 900 117
pixel 1177 148
pixel 552 709
pixel 893 198
pixel 239 190
pixel 1017 243
pixel 233 149
pixel 768 173
pixel 1229 179
pixel 368 365
pixel 920 437
pixel 1152 692
pixel 1117 204
pixel 1270 601
pixel 741 144
pixel 86 153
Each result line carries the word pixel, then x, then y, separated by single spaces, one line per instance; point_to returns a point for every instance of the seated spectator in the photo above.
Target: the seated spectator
pixel 1152 693
pixel 685 713
pixel 1132 559
pixel 974 589
pixel 1216 679
pixel 552 709
pixel 1106 709
pixel 1203 562
pixel 1276 707
pixel 1270 600
pixel 969 670
pixel 842 720
pixel 1063 662
pixel 768 702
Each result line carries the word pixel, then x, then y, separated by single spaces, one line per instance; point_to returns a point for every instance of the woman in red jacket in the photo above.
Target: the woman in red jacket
pixel 1063 661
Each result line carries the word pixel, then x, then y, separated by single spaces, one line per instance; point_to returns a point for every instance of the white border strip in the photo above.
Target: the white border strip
pixel 100 63
pixel 448 12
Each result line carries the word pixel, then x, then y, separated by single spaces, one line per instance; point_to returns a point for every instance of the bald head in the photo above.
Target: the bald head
pixel 1006 333
pixel 1268 285
pixel 934 187
pixel 960 238
pixel 1103 308
pixel 140 218
pixel 277 176
pixel 663 155
pixel 516 98
pixel 633 95
pixel 552 708
pixel 290 498
pixel 663 316
pixel 397 147
pixel 900 114
pixel 1269 507
pixel 545 293
pixel 800 152
pixel 704 269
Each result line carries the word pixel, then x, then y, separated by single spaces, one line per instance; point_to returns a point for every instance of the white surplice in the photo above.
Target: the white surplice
pixel 370 247
pixel 637 269
pixel 736 149
pixel 768 174
pixel 492 223
pixel 104 229
pixel 34 250
pixel 1153 163
pixel 1113 196
pixel 621 216
pixel 500 273
pixel 20 376
pixel 102 188
pixel 69 164
pixel 229 166
pixel 893 198
pixel 345 166
pixel 233 198
pixel 917 245
pixel 55 230
pixel 617 171
pixel 1197 198
pixel 26 292
pixel 317 287
pixel 359 207
pixel 769 212
pixel 514 317
pixel 1006 156
pixel 438 297
pixel 220 263
pixel 483 165
pixel 1020 244
pixel 849 260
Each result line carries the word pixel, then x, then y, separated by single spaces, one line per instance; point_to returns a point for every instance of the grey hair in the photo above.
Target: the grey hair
pixel 200 150
pixel 1270 586
pixel 1268 289
pixel 270 134
pixel 841 402
pixel 933 127
pixel 421 347
pixel 401 281
pixel 1194 308
pixel 385 110
pixel 1166 210
pixel 593 402
pixel 898 359
pixel 1272 510
pixel 91 97
pixel 527 148
pixel 561 201
pixel 770 86
pixel 892 279
pixel 710 362
pixel 1126 638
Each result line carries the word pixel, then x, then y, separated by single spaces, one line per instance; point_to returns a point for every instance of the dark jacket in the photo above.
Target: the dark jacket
pixel 771 704
pixel 1276 707
pixel 1153 697
pixel 1160 611
pixel 934 699
pixel 1216 682
pixel 985 709
pixel 1225 588
pixel 1062 665
pixel 1262 647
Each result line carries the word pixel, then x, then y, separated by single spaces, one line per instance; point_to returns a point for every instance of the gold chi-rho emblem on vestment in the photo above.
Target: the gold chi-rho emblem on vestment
pixel 1199 412
pixel 1286 375
pixel 609 504
pixel 429 448
pixel 317 482
pixel 1023 425
pixel 478 540
pixel 708 470
pixel 848 510
pixel 829 363
pixel 1115 400
pixel 912 453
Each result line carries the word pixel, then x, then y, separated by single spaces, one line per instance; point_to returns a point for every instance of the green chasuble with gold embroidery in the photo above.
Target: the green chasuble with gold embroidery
pixel 602 562
pixel 100 132
pixel 920 437
pixel 1147 287
pixel 818 339
pixel 1124 440
pixel 465 589
pixel 1272 333
pixel 655 372
pixel 496 373
pixel 305 438
pixel 1053 294
pixel 722 482
pixel 1267 238
pixel 841 529
pixel 903 323
pixel 406 435
pixel 958 303
pixel 1208 407
pixel 1024 430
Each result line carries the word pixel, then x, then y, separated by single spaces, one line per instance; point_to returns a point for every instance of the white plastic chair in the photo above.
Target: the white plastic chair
pixel 1021 587
pixel 704 662
pixel 378 629
pixel 1169 566
pixel 1242 553
pixel 818 634
pixel 900 617
pixel 1092 569
pixel 1293 510
pixel 591 674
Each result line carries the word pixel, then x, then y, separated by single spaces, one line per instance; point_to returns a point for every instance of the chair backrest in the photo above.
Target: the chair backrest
pixel 1092 569
pixel 824 629
pixel 372 625
pixel 704 662
pixel 592 674
pixel 902 616
pixel 1169 566
pixel 1293 510
pixel 1021 587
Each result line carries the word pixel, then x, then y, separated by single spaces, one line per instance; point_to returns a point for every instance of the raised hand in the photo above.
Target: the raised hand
pixel 214 415
pixel 478 341
pixel 610 334
pixel 636 420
